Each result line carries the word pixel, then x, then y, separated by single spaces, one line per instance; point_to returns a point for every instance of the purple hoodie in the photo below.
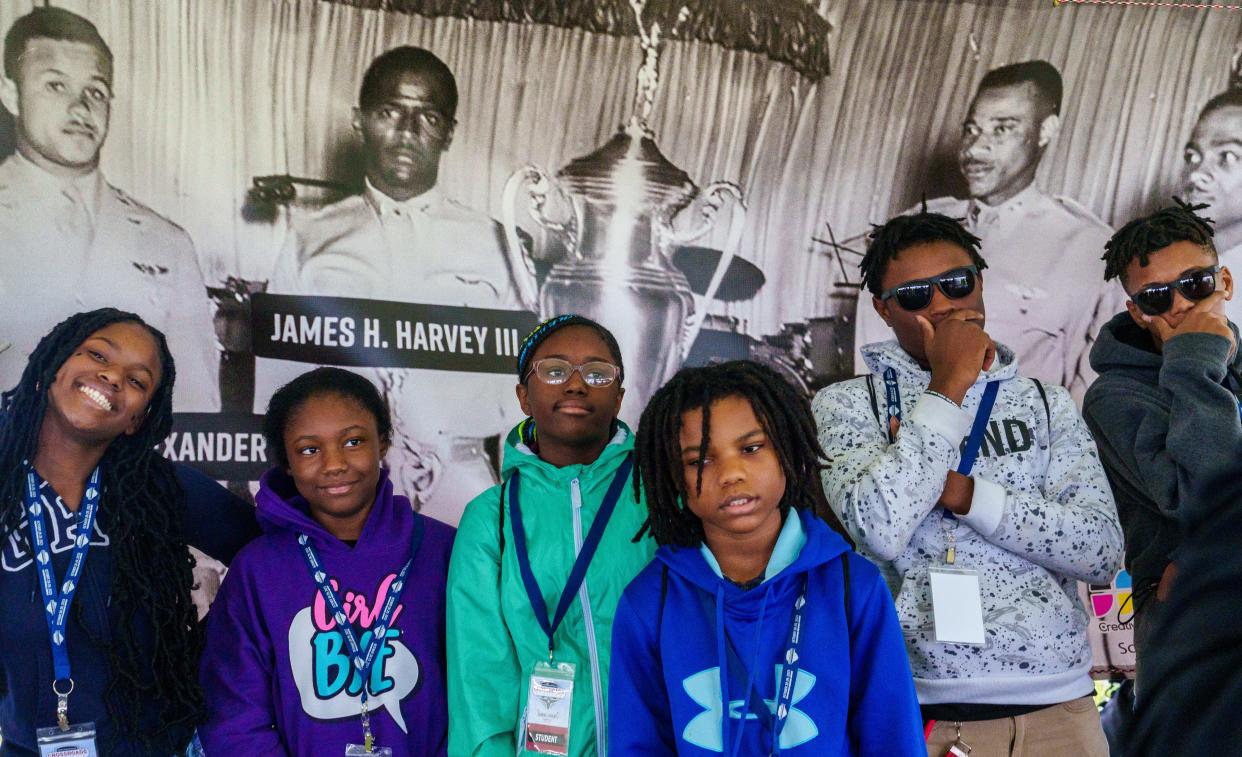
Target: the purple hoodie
pixel 276 671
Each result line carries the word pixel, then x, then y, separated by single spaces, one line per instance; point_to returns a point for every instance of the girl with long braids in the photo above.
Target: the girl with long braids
pixel 757 629
pixel 541 559
pixel 95 573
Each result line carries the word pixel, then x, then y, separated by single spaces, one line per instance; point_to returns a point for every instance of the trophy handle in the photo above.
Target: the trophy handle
pixel 713 196
pixel 520 261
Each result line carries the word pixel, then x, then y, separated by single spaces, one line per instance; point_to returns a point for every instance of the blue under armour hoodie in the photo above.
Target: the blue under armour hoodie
pixel 672 671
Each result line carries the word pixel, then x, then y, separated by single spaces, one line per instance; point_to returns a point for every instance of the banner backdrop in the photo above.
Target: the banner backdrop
pixel 698 176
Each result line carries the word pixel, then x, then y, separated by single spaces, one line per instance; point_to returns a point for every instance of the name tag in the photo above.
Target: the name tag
pixel 549 707
pixel 77 741
pixel 957 605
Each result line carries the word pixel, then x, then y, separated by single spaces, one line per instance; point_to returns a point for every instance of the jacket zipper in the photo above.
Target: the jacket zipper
pixel 584 600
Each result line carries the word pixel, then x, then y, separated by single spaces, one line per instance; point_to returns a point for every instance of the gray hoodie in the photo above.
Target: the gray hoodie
pixel 1162 423
pixel 1042 519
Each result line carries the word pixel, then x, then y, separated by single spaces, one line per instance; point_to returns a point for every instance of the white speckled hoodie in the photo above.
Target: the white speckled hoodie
pixel 1042 518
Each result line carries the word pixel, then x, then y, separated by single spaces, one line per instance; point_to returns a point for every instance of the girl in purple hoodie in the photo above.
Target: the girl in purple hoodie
pixel 328 632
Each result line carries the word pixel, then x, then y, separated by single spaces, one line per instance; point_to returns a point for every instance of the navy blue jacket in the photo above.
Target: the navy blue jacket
pixel 216 522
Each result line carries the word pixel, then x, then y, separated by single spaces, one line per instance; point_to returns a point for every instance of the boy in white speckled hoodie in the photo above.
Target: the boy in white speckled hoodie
pixel 945 462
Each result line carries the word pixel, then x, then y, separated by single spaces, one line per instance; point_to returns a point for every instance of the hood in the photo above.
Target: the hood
pixel 519 456
pixel 279 508
pixel 881 355
pixel 822 545
pixel 1121 344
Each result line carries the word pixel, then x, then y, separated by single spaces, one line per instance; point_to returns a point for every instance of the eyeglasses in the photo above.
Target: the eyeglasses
pixel 917 294
pixel 1195 285
pixel 595 373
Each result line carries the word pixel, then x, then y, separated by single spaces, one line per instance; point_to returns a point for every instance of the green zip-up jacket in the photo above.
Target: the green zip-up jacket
pixel 494 639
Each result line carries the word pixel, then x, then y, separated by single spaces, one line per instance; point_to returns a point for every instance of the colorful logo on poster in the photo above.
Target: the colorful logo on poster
pixel 1113 599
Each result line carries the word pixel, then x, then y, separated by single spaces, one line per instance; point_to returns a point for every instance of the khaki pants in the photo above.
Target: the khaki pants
pixel 1069 728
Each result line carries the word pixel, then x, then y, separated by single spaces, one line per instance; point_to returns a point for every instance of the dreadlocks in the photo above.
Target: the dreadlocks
pixel 141 513
pixel 901 232
pixel 1143 236
pixel 784 413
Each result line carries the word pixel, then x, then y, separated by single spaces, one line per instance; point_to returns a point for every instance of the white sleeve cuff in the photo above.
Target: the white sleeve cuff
pixel 942 417
pixel 987 506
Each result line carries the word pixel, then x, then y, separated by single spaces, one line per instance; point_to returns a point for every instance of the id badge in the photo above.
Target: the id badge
pixel 957 605
pixel 77 741
pixel 360 750
pixel 549 705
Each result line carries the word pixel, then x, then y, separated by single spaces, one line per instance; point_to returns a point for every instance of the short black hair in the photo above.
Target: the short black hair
pixel 1143 236
pixel 1229 98
pixel 1040 73
pixel 540 334
pixel 400 60
pixel 901 232
pixel 50 23
pixel 785 414
pixel 321 381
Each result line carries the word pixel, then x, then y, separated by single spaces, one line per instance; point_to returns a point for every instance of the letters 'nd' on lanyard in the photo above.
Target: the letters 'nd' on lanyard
pixel 578 573
pixel 362 659
pixel 56 602
pixel 775 719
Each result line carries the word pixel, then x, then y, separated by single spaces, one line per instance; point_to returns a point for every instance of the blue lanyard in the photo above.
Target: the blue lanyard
pixel 56 603
pixel 362 660
pixel 578 573
pixel 892 396
pixel 975 440
pixel 789 674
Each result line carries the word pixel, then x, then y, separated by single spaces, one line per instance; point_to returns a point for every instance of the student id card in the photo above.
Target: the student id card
pixel 549 705
pixel 957 605
pixel 75 741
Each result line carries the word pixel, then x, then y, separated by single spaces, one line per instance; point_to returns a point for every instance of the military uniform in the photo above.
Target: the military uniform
pixel 428 250
pixel 69 246
pixel 1044 286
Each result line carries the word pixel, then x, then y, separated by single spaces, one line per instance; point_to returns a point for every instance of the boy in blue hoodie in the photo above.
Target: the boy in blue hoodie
pixel 329 629
pixel 756 630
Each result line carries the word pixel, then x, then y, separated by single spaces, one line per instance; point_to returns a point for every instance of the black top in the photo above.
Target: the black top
pixel 216 522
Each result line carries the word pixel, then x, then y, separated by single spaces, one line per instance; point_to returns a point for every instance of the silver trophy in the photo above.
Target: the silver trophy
pixel 618 228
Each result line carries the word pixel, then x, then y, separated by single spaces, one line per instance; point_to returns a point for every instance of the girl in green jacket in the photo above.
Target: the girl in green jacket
pixel 540 560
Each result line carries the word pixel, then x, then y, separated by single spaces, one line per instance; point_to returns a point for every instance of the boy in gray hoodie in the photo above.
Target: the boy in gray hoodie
pixel 980 494
pixel 1165 407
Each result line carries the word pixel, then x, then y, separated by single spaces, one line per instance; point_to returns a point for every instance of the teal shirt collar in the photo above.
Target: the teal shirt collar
pixel 789 544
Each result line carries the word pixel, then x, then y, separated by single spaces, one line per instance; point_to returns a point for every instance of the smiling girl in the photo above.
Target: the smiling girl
pixel 329 629
pixel 95 572
pixel 756 630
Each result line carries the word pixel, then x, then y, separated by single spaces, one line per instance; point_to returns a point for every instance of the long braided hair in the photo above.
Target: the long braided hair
pixel 141 511
pixel 785 415
pixel 1143 236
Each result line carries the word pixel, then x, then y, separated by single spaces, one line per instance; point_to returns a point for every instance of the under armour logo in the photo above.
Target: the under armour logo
pixel 705 730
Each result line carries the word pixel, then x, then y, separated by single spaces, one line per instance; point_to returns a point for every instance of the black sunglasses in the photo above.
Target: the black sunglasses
pixel 1195 285
pixel 917 294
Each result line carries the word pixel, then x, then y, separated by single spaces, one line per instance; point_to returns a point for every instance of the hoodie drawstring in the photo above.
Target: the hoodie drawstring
pixel 723 661
pixel 726 718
